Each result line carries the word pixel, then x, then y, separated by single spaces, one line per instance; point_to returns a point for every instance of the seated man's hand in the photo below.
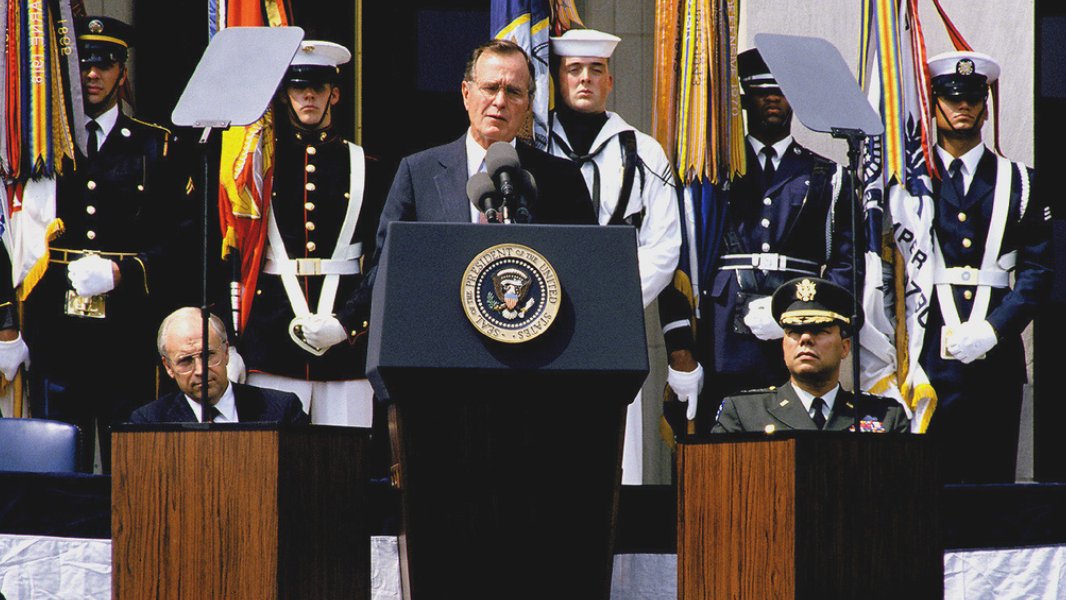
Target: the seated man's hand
pixel 761 321
pixel 13 354
pixel 323 331
pixel 91 275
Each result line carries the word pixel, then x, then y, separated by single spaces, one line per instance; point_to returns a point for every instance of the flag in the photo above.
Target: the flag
pixel 40 100
pixel 246 164
pixel 528 24
pixel 898 175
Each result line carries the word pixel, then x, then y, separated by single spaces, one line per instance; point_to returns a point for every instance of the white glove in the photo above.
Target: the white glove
pixel 687 385
pixel 91 275
pixel 13 354
pixel 235 369
pixel 971 340
pixel 761 321
pixel 323 331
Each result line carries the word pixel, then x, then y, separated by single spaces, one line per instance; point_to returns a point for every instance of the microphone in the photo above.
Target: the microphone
pixel 483 195
pixel 529 192
pixel 501 162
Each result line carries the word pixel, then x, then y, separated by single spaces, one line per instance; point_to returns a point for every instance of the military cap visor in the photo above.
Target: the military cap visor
pixel 102 40
pixel 316 62
pixel 809 301
pixel 311 75
pixel 754 74
pixel 962 74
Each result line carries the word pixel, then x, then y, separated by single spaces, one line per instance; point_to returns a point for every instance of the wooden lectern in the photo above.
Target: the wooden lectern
pixel 809 515
pixel 239 511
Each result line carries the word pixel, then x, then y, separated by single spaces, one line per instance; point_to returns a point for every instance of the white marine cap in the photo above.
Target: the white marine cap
pixel 585 42
pixel 321 54
pixel 965 64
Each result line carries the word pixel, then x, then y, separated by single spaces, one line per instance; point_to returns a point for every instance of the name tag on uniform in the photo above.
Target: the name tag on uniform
pixel 86 307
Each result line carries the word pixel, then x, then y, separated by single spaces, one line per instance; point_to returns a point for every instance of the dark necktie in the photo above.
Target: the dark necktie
pixel 767 166
pixel 819 417
pixel 210 413
pixel 92 146
pixel 955 170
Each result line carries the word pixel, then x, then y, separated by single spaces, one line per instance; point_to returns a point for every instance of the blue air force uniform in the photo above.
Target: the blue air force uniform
pixel 979 402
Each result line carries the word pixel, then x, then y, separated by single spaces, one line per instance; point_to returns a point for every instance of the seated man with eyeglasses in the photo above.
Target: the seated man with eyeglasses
pixel 180 343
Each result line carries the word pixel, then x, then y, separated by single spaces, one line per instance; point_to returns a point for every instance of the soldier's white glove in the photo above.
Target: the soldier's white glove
pixel 91 275
pixel 687 385
pixel 323 331
pixel 761 321
pixel 971 340
pixel 13 354
pixel 235 369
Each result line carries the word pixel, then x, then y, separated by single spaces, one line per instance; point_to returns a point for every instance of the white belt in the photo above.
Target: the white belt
pixel 349 265
pixel 767 261
pixel 969 276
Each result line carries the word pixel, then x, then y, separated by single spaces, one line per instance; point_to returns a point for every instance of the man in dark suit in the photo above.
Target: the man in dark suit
pixel 787 216
pixel 812 312
pixel 497 92
pixel 989 220
pixel 180 344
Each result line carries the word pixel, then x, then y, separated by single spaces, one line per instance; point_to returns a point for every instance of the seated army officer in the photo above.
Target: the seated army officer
pixel 180 344
pixel 817 339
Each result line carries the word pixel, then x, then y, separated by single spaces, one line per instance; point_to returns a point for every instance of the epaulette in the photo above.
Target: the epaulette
pixel 766 390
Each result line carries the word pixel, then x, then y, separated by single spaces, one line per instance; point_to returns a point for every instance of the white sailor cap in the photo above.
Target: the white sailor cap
pixel 585 42
pixel 962 72
pixel 317 61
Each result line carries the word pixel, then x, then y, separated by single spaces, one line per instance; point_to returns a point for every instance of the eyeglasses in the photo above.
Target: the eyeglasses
pixel 489 89
pixel 187 364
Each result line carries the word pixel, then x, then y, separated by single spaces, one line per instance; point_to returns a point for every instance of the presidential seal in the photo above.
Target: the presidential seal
pixel 510 293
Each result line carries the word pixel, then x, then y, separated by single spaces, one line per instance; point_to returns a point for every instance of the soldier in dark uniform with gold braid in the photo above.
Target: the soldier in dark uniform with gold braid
pixel 305 331
pixel 123 211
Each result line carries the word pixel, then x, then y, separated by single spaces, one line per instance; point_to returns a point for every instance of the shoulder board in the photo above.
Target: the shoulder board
pixel 769 390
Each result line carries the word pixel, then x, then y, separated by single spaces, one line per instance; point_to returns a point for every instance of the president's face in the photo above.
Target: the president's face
pixel 497 100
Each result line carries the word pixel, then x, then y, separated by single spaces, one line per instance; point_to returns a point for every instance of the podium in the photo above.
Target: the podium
pixel 239 510
pixel 809 515
pixel 507 455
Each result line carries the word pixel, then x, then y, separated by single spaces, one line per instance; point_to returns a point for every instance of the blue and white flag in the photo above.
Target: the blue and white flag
pixel 528 24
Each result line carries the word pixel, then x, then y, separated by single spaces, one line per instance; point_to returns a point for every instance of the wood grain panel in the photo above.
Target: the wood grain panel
pixel 194 522
pixel 736 521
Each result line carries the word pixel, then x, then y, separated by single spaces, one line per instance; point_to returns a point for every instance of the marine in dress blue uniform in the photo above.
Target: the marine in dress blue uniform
pixel 318 179
pixel 125 215
pixel 789 215
pixel 972 352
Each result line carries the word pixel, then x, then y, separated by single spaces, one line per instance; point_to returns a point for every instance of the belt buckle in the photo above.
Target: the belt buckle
pixel 969 276
pixel 768 261
pixel 308 266
pixel 85 307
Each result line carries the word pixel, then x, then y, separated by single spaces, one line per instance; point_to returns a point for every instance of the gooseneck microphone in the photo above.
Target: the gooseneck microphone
pixel 482 193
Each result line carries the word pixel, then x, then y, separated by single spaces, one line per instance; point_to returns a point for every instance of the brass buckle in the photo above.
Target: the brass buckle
pixel 86 307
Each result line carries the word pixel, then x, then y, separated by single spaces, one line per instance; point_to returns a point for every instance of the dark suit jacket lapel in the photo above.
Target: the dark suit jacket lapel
pixel 249 404
pixel 788 409
pixel 179 411
pixel 451 182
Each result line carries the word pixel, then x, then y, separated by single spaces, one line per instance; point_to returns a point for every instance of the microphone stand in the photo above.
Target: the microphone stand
pixel 855 139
